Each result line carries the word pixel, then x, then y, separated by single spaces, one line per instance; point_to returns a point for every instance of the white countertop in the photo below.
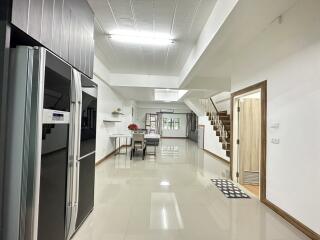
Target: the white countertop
pixel 117 135
pixel 128 135
pixel 152 135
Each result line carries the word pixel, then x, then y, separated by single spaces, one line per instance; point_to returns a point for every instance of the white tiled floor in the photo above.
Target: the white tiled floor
pixel 133 203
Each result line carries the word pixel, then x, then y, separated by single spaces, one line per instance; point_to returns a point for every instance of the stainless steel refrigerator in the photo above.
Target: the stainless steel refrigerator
pixel 50 171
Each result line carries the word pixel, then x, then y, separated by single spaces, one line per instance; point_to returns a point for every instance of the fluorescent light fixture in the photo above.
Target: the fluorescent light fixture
pixel 141 37
pixel 168 95
pixel 164 183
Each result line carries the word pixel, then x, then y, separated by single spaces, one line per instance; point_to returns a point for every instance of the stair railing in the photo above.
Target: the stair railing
pixel 212 112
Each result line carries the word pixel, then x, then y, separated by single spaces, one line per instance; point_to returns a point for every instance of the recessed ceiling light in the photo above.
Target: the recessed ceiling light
pixel 168 95
pixel 164 183
pixel 141 37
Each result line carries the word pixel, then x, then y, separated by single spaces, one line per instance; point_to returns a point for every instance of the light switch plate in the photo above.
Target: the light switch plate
pixel 275 140
pixel 275 125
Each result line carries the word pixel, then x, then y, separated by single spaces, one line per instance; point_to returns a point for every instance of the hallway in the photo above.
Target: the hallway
pixel 170 196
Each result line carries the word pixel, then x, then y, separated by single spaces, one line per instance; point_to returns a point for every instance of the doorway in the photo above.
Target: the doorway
pixel 248 148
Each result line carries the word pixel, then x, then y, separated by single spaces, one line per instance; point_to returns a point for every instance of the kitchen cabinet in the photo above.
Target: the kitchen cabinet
pixel 65 33
pixel 66 27
pixel 34 21
pixel 57 26
pixel 47 23
pixel 20 15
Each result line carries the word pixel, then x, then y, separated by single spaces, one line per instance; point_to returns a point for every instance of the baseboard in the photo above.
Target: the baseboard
pixel 216 156
pixel 296 223
pixel 106 157
pixel 110 155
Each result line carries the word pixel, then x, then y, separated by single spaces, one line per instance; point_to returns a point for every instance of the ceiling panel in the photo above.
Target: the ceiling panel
pixel 144 19
pixel 164 14
pixel 183 19
pixel 185 16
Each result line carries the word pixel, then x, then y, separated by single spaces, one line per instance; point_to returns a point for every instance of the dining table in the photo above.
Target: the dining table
pixel 152 139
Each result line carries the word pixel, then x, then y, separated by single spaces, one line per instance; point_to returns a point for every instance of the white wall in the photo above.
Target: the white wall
pixel 195 105
pixel 293 166
pixel 180 133
pixel 108 101
pixel 211 140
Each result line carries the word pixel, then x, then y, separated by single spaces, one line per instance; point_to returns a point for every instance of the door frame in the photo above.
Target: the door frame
pixel 263 87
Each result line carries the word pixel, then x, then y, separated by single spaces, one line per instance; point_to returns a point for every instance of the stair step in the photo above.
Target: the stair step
pixel 222 118
pixel 226 122
pixel 226 146
pixel 228 153
pixel 219 134
pixel 227 139
pixel 223 113
pixel 226 127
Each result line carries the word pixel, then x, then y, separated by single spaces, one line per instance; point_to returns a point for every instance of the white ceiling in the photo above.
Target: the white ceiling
pixel 263 41
pixel 135 93
pixel 242 42
pixel 144 94
pixel 183 19
pixel 140 94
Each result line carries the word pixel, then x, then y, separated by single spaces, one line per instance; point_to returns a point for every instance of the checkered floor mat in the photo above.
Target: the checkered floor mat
pixel 229 189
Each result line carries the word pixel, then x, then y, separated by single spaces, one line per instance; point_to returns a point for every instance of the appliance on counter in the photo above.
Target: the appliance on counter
pixel 52 124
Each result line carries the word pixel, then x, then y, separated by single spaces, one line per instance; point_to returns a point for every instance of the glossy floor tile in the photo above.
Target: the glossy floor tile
pixel 171 197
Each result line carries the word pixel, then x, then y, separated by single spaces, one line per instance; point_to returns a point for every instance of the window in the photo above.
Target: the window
pixel 171 124
pixel 151 122
pixel 176 125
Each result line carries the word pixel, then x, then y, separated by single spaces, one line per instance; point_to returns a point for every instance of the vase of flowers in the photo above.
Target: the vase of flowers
pixel 133 127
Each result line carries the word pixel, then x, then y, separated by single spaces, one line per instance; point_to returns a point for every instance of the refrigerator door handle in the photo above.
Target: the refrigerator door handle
pixel 76 124
pixel 77 184
pixel 72 204
pixel 79 104
pixel 71 173
pixel 78 157
pixel 40 78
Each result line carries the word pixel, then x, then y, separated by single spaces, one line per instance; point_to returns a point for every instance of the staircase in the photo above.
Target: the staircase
pixel 221 123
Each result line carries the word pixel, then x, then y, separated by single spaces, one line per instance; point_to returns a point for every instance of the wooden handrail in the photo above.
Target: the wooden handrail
pixel 214 105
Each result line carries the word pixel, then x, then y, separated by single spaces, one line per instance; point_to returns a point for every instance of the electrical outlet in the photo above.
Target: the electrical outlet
pixel 275 140
pixel 275 125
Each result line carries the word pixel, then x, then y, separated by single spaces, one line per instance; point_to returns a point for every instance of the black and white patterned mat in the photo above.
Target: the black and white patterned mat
pixel 229 189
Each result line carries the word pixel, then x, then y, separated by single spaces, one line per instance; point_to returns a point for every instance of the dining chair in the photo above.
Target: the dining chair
pixel 138 144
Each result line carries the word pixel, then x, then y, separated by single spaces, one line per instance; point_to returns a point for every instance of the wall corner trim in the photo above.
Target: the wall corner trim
pixel 109 155
pixel 216 156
